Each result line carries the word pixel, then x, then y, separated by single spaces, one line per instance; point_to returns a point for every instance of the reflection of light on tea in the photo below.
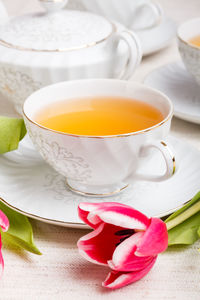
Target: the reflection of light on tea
pixel 99 116
pixel 195 41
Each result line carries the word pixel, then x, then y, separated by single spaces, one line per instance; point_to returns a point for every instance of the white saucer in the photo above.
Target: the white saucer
pixel 157 38
pixel 180 87
pixel 36 190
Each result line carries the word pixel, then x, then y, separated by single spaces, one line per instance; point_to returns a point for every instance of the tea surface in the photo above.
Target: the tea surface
pixel 195 41
pixel 99 116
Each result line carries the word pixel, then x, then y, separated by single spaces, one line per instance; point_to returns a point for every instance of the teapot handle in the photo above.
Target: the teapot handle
pixel 134 53
pixel 3 13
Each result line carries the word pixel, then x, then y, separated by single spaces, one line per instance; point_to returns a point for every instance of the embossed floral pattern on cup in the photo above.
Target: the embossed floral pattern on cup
pixel 62 159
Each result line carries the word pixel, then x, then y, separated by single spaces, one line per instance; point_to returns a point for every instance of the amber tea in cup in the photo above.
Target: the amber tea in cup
pixel 99 116
pixel 195 41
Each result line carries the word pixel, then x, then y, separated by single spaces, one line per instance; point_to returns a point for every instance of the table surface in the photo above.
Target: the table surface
pixel 60 272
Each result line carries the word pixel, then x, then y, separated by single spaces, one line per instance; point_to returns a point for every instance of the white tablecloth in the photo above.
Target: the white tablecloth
pixel 60 273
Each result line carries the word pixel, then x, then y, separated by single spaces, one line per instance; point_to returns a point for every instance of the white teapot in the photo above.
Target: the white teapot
pixel 57 45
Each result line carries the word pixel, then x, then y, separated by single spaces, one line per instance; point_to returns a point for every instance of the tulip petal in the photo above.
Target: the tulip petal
pixel 112 213
pixel 98 246
pixel 116 280
pixel 1 260
pixel 136 263
pixel 154 240
pixel 4 223
pixel 124 252
pixel 85 208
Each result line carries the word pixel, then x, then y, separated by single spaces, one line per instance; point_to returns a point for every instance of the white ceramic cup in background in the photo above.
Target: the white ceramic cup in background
pixel 134 14
pixel 190 53
pixel 100 165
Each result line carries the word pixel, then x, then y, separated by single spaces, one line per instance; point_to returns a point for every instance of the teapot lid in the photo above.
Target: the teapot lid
pixel 55 29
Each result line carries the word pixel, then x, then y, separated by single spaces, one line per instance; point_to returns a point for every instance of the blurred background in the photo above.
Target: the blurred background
pixel 187 9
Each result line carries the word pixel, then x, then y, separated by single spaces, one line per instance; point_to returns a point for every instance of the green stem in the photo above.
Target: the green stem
pixel 183 216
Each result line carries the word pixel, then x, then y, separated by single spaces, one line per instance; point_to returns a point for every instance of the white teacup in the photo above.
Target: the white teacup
pixel 190 54
pixel 100 165
pixel 134 14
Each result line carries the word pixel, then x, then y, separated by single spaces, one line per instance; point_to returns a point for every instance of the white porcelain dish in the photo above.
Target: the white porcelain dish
pixel 39 192
pixel 175 81
pixel 47 47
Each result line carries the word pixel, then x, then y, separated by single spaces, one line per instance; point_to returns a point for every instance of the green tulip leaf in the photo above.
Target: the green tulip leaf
pixel 198 231
pixel 12 130
pixel 194 200
pixel 20 230
pixel 186 233
pixel 184 225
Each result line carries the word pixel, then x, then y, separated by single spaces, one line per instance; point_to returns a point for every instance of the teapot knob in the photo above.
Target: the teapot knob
pixel 53 5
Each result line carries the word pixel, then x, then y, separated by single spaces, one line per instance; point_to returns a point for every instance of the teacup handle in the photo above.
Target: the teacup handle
pixel 134 55
pixel 157 12
pixel 169 160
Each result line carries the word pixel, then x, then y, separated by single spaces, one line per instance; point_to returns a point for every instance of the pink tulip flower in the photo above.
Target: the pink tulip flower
pixel 4 224
pixel 123 239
